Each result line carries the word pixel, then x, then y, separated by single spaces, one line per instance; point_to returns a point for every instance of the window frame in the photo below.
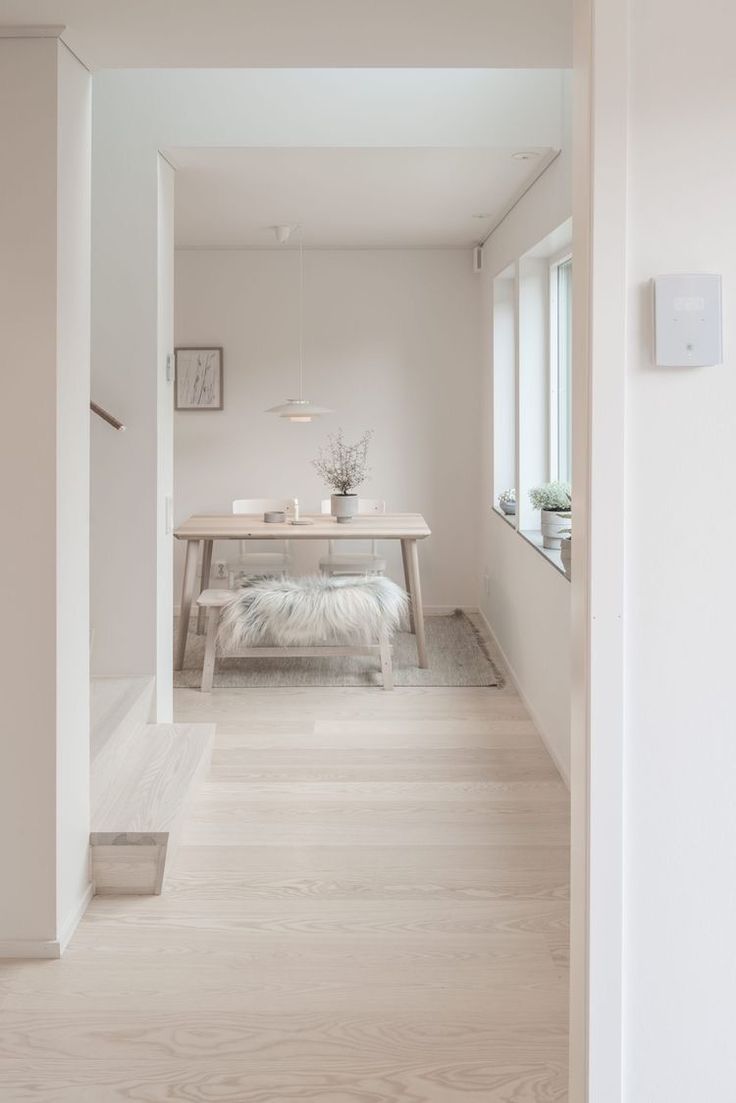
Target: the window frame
pixel 536 369
pixel 555 263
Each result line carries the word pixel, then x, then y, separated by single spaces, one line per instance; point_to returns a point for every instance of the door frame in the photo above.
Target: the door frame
pixel 600 76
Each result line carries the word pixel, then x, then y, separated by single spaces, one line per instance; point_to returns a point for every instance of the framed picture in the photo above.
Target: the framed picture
pixel 198 379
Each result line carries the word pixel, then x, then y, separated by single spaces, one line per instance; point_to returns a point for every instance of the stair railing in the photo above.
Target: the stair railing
pixel 108 417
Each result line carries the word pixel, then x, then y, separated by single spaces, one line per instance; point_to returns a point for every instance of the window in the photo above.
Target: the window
pixel 560 430
pixel 531 385
pixel 504 387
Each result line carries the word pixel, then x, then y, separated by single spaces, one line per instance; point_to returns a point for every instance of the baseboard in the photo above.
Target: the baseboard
pixel 73 920
pixel 38 948
pixel 538 723
pixel 29 948
pixel 448 610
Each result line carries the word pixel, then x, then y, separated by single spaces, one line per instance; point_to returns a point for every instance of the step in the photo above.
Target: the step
pixel 116 701
pixel 118 708
pixel 135 830
pixel 142 780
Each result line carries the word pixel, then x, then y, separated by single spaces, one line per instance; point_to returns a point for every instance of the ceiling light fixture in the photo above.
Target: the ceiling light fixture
pixel 525 155
pixel 297 409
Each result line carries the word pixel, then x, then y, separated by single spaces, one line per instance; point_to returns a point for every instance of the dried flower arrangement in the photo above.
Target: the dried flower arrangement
pixel 343 467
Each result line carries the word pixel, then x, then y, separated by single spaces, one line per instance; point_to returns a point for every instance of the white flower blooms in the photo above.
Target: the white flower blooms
pixel 556 497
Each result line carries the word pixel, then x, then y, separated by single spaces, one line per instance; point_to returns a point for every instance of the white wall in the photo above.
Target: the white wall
pixel 528 601
pixel 680 596
pixel 137 113
pixel 73 485
pixel 44 454
pixel 164 444
pixel 391 343
pixel 125 365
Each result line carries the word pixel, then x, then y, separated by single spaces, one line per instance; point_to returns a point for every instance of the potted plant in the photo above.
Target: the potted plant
pixel 343 467
pixel 554 500
pixel 507 502
pixel 566 551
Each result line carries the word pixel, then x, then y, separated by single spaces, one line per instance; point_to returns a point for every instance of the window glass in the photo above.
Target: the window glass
pixel 562 372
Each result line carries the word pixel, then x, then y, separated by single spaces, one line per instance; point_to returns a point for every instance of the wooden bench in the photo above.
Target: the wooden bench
pixel 215 600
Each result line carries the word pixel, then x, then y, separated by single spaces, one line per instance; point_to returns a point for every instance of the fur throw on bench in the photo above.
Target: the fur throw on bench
pixel 311 611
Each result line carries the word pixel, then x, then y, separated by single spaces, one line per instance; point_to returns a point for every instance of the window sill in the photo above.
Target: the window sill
pixel 551 555
pixel 533 537
pixel 509 518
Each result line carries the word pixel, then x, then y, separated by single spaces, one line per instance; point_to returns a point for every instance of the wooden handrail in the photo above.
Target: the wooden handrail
pixel 107 417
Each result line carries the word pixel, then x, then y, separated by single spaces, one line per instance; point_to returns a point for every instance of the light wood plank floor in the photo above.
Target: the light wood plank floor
pixel 370 905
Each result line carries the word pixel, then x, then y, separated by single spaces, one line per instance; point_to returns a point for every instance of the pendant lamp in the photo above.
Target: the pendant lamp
pixel 297 409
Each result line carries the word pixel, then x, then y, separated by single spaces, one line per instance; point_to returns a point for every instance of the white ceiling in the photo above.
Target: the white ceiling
pixel 310 33
pixel 346 198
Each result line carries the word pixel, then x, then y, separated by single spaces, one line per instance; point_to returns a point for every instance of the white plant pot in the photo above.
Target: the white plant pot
pixel 552 525
pixel 344 507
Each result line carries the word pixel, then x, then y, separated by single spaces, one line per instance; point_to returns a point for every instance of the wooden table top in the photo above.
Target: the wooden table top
pixel 243 526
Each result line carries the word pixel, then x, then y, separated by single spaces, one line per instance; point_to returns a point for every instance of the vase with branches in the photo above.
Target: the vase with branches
pixel 343 468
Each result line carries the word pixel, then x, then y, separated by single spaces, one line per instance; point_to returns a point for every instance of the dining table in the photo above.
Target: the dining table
pixel 200 532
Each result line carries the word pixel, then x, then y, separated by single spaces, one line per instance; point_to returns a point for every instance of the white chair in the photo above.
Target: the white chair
pixel 266 564
pixel 340 562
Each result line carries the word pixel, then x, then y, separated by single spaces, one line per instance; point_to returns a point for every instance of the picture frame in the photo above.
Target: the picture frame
pixel 198 377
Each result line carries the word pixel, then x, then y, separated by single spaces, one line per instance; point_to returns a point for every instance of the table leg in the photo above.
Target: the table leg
pixel 416 601
pixel 204 581
pixel 187 593
pixel 208 666
pixel 407 582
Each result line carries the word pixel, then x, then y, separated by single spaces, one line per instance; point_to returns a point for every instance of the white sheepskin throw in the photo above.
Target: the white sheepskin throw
pixel 311 611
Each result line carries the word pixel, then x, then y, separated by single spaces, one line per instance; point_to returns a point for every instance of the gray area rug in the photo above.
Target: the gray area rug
pixel 458 656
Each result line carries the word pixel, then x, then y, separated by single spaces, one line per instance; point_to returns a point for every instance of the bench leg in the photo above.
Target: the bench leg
pixel 208 667
pixel 387 669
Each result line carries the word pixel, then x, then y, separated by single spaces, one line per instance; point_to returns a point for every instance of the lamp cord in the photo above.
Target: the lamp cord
pixel 301 313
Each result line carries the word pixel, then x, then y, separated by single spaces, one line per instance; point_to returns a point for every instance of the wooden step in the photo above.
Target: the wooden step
pixel 138 807
pixel 135 827
pixel 118 707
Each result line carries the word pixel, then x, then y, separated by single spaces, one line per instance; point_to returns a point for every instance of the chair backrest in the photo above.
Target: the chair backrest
pixel 365 505
pixel 262 505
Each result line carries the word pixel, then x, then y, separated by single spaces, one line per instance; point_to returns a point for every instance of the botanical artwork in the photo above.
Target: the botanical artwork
pixel 198 379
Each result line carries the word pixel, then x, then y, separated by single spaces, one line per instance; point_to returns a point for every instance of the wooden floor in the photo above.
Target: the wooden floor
pixel 370 905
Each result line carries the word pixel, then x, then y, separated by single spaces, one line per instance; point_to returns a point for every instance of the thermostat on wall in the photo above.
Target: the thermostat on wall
pixel 687 321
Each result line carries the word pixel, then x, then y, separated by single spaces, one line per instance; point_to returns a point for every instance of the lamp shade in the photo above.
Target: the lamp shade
pixel 298 409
